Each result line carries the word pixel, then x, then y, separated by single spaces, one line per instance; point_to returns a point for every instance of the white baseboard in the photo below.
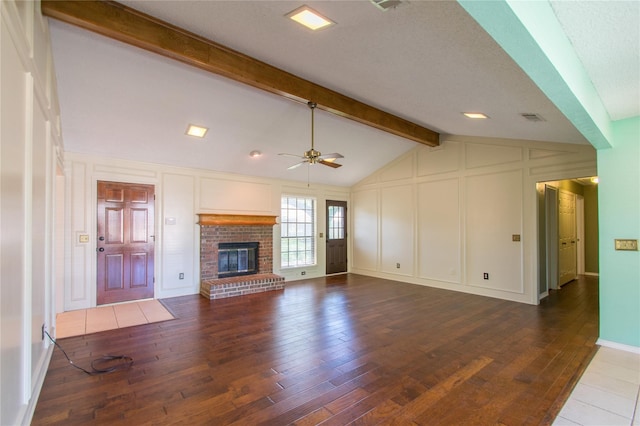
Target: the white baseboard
pixel 38 381
pixel 592 274
pixel 620 346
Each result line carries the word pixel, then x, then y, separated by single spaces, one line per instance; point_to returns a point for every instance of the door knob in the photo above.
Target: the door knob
pixel 101 249
pixel 101 238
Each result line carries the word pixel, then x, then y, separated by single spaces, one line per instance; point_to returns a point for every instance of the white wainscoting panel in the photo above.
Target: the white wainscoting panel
pixel 478 155
pixel 230 195
pixel 493 216
pixel 397 231
pixel 442 159
pixel 178 237
pixel 365 230
pixel 439 223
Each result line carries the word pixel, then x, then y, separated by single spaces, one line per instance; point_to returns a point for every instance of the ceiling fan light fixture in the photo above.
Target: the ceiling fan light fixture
pixel 196 131
pixel 309 18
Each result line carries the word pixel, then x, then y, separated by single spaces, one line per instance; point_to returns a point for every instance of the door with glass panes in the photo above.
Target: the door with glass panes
pixel 336 237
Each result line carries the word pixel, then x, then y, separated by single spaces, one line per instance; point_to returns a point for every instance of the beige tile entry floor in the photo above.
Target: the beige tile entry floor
pixel 86 321
pixel 607 393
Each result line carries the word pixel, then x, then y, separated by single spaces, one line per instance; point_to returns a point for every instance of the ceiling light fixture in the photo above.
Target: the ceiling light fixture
pixel 197 131
pixel 595 179
pixel 475 115
pixel 255 153
pixel 309 18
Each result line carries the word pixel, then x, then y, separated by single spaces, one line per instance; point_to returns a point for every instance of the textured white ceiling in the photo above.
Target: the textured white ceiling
pixel 426 61
pixel 606 38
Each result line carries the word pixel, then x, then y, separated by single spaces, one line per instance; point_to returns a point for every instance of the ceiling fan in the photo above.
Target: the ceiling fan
pixel 312 156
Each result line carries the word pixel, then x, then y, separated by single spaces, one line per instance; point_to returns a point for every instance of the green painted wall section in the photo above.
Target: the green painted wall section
pixel 619 214
pixel 531 34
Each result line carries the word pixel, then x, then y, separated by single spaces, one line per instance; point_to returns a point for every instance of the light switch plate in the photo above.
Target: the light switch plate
pixel 630 245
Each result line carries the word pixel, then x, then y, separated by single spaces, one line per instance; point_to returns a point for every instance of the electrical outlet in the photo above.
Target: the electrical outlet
pixel 181 276
pixel 486 275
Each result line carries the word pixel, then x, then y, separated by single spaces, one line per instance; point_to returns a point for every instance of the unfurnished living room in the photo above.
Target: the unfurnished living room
pixel 331 212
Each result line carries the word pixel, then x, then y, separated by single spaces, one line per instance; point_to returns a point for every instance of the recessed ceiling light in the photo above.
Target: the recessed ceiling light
pixel 309 18
pixel 197 131
pixel 475 115
pixel 255 153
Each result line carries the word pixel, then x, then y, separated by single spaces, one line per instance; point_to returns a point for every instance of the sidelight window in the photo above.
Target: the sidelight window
pixel 297 231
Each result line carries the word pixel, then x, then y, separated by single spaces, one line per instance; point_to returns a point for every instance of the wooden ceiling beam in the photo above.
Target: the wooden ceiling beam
pixel 127 25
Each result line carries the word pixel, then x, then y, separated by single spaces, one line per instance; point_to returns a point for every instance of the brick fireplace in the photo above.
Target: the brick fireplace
pixel 228 229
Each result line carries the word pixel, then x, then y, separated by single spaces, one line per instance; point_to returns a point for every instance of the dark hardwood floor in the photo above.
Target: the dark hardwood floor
pixel 340 350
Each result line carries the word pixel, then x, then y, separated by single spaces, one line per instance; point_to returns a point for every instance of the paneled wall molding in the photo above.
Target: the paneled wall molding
pixel 28 168
pixel 472 196
pixel 12 21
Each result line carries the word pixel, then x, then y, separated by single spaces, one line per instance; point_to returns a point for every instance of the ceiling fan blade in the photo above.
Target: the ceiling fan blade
pixel 330 156
pixel 297 165
pixel 330 163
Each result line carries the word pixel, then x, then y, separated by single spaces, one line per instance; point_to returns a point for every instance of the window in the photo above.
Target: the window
pixel 297 232
pixel 335 228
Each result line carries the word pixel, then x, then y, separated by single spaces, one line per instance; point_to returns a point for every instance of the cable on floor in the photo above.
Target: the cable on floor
pixel 126 361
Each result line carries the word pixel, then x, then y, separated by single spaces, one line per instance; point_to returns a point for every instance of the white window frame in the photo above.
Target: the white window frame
pixel 294 225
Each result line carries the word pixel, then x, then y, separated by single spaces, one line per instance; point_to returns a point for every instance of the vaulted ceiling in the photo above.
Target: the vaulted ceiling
pixel 424 61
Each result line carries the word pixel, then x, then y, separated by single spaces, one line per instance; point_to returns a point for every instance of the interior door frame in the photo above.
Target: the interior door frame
pixel 580 249
pixel 551 219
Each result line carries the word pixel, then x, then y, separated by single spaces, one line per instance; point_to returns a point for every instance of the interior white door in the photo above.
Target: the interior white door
pixel 567 238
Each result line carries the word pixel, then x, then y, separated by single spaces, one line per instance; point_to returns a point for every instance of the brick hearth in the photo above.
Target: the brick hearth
pixel 215 229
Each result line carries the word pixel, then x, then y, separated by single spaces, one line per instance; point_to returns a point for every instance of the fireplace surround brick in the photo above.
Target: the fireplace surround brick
pixel 234 229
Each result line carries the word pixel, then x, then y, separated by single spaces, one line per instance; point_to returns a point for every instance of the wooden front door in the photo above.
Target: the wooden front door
pixel 125 242
pixel 336 237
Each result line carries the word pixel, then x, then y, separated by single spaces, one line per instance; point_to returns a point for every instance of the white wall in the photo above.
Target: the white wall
pixel 181 193
pixel 447 215
pixel 30 146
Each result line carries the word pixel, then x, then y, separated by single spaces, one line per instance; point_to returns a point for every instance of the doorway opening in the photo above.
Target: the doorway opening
pixel 567 232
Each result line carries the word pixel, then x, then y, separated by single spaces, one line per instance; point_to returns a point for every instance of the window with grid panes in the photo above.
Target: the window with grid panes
pixel 297 231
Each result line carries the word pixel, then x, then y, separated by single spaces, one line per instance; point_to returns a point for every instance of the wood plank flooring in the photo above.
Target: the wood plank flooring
pixel 339 350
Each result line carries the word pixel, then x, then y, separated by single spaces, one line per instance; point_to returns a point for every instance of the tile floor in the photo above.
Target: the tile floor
pixel 607 392
pixel 86 321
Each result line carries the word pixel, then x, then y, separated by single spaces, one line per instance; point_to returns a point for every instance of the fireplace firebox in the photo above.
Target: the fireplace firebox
pixel 235 259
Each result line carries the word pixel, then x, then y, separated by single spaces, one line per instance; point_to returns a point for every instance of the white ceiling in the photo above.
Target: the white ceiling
pixel 426 61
